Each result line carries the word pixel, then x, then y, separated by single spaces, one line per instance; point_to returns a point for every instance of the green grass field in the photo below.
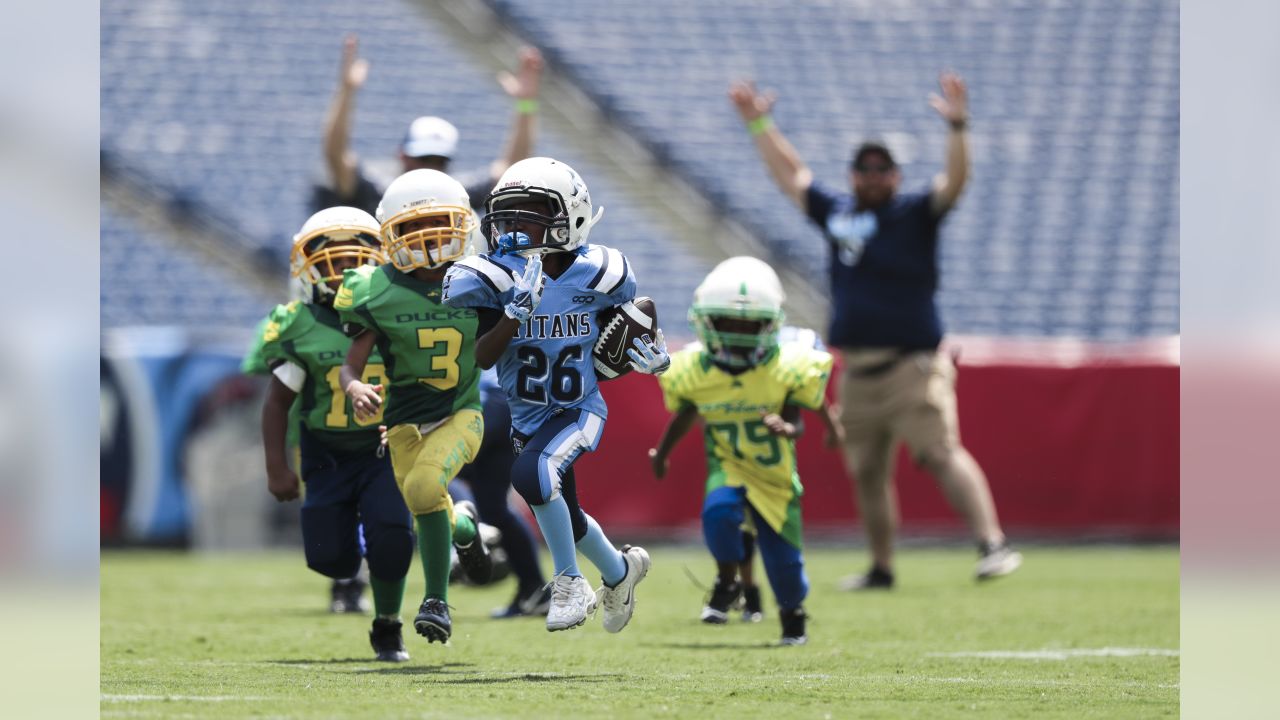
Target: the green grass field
pixel 247 636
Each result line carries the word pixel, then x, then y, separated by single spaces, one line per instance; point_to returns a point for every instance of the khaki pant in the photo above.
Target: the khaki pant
pixel 914 400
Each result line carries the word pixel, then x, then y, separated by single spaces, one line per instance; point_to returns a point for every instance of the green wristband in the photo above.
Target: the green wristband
pixel 760 125
pixel 526 106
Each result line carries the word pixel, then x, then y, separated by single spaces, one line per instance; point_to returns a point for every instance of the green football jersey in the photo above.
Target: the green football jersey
pixel 255 363
pixel 310 336
pixel 428 348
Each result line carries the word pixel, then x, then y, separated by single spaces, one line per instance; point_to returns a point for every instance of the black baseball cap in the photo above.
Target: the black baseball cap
pixel 872 147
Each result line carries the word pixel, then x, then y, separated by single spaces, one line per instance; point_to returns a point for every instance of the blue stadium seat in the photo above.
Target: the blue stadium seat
pixel 1076 127
pixel 146 280
pixel 223 105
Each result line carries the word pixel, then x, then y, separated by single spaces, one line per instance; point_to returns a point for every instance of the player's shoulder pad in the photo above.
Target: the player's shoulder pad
pixel 800 364
pixel 801 355
pixel 359 286
pixel 808 337
pixel 612 271
pixel 286 321
pixel 477 281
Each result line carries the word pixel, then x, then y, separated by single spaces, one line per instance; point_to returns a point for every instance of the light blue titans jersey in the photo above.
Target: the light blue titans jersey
pixel 547 366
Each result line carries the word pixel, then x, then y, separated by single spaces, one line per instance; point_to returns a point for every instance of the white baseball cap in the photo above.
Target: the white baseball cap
pixel 430 135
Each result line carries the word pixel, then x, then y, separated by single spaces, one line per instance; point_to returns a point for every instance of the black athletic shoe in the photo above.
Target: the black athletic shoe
pixel 387 641
pixel 433 621
pixel 723 596
pixel 752 609
pixel 875 579
pixel 474 557
pixel 347 596
pixel 793 626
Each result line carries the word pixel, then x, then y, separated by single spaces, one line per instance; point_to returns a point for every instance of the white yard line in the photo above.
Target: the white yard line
pixel 1062 654
pixel 181 698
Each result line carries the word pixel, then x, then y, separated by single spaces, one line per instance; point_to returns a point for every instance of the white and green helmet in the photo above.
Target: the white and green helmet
pixel 740 288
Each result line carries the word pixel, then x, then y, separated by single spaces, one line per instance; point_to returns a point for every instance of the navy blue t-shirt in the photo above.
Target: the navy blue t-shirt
pixel 883 269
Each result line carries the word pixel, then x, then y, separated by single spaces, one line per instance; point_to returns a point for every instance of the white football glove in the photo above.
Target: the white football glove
pixel 528 291
pixel 650 356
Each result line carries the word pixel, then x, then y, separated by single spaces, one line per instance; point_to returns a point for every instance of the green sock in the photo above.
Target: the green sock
pixel 464 529
pixel 387 595
pixel 434 538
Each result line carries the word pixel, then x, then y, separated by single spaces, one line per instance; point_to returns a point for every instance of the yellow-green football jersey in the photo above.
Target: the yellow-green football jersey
pixel 741 452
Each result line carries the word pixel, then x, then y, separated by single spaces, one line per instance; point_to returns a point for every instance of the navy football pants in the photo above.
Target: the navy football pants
pixel 347 491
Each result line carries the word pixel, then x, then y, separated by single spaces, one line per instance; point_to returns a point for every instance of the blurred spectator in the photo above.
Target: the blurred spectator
pixel 430 141
pixel 884 278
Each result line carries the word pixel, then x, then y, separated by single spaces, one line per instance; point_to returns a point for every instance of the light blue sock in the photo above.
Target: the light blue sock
pixel 602 553
pixel 557 528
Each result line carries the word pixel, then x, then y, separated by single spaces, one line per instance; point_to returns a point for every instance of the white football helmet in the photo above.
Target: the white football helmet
pixel 546 183
pixel 425 194
pixel 737 312
pixel 336 233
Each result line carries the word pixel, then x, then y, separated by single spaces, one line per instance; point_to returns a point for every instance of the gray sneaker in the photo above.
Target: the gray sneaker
pixel 620 601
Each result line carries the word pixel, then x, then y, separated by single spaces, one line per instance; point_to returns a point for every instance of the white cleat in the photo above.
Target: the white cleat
pixel 571 602
pixel 999 561
pixel 620 601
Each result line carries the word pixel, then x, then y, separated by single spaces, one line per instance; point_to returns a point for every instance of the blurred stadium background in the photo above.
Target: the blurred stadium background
pixel 1059 268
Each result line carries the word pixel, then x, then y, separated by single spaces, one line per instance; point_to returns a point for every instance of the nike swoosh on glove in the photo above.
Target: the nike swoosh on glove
pixel 528 291
pixel 650 356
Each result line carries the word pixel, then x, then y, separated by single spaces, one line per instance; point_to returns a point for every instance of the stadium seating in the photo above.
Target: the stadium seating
pixel 1069 226
pixel 222 106
pixel 146 280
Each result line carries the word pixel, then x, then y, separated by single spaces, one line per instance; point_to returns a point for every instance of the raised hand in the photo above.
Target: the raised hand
pixel 354 68
pixel 525 85
pixel 528 291
pixel 953 104
pixel 750 103
pixel 650 356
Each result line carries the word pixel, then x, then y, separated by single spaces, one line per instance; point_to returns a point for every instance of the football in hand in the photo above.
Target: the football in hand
pixel 620 325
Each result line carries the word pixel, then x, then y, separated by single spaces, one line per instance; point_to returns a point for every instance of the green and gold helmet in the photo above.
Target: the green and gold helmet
pixel 737 312
pixel 331 240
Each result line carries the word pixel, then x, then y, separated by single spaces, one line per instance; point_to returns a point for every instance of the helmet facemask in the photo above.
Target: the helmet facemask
pixel 737 337
pixel 512 213
pixel 319 258
pixel 427 245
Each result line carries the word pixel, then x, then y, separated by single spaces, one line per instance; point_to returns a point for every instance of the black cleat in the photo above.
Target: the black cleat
pixel 875 579
pixel 793 626
pixel 347 596
pixel 723 596
pixel 474 557
pixel 433 621
pixel 752 609
pixel 387 641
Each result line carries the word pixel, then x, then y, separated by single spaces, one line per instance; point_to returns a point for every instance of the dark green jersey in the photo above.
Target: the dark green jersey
pixel 310 337
pixel 255 363
pixel 428 348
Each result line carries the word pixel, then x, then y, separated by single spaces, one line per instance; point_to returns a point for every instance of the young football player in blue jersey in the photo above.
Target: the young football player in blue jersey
pixel 748 391
pixel 540 294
